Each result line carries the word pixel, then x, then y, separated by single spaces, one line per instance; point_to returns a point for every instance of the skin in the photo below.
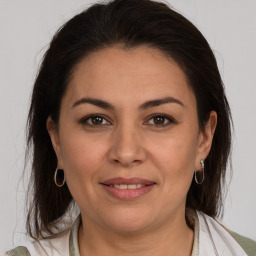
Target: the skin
pixel 130 143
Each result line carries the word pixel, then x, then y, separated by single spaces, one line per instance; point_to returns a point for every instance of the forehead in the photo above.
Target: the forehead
pixel 122 75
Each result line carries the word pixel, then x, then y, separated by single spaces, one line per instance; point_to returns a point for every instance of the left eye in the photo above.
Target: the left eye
pixel 160 120
pixel 95 120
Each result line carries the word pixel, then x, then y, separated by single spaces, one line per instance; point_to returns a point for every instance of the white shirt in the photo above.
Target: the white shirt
pixel 210 239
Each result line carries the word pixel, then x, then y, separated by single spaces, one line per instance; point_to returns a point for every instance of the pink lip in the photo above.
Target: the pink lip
pixel 127 194
pixel 127 181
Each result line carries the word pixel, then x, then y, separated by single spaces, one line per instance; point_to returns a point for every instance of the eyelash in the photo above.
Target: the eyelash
pixel 170 120
pixel 84 121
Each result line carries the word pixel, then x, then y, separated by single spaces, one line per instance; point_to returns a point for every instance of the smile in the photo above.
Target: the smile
pixel 127 189
pixel 125 186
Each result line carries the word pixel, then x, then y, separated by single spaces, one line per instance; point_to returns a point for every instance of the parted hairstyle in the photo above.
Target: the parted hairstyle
pixel 126 24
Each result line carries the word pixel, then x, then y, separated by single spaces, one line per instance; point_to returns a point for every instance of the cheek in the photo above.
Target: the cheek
pixel 82 161
pixel 82 155
pixel 175 157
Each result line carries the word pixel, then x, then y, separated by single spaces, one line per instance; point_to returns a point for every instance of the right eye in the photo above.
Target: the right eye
pixel 95 121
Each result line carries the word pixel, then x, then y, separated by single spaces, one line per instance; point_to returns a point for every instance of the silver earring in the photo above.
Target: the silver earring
pixel 202 170
pixel 59 178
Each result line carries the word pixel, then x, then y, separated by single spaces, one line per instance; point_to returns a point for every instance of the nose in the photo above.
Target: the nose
pixel 127 147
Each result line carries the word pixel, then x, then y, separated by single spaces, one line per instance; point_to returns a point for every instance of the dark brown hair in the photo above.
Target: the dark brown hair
pixel 128 24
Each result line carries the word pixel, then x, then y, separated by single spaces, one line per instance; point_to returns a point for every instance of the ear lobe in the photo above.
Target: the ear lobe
pixel 54 135
pixel 206 137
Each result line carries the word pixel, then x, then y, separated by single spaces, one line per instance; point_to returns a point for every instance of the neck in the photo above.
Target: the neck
pixel 172 238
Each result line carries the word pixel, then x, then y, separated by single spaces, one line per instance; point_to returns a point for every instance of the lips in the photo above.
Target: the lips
pixel 127 189
pixel 130 181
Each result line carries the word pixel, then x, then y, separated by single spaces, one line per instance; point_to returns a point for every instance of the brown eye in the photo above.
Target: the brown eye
pixel 95 120
pixel 160 120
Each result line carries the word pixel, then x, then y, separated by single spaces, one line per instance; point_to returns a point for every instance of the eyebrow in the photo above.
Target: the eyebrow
pixel 146 105
pixel 99 103
pixel 158 102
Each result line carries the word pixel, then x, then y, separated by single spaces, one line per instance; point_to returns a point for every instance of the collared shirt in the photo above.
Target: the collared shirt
pixel 210 239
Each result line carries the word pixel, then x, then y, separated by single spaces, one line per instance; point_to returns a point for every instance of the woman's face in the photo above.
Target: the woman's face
pixel 128 138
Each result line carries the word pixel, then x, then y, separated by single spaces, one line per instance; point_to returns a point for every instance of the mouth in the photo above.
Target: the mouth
pixel 127 186
pixel 127 189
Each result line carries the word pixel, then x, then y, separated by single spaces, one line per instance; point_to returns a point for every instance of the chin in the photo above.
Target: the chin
pixel 128 221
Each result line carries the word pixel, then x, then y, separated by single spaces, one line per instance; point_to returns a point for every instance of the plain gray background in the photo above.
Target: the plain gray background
pixel 26 27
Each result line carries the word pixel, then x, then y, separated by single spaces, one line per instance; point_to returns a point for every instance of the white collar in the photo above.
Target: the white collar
pixel 210 239
pixel 214 240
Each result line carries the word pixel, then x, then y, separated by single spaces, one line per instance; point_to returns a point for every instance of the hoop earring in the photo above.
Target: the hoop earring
pixel 202 170
pixel 60 180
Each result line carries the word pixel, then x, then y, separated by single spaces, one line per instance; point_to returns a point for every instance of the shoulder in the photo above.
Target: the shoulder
pixel 226 236
pixel 248 245
pixel 18 251
pixel 58 246
pixel 63 245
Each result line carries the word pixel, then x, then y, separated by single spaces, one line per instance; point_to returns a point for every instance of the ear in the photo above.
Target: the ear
pixel 205 139
pixel 54 135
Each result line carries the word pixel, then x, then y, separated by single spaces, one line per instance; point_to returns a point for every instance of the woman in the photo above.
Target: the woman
pixel 129 120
